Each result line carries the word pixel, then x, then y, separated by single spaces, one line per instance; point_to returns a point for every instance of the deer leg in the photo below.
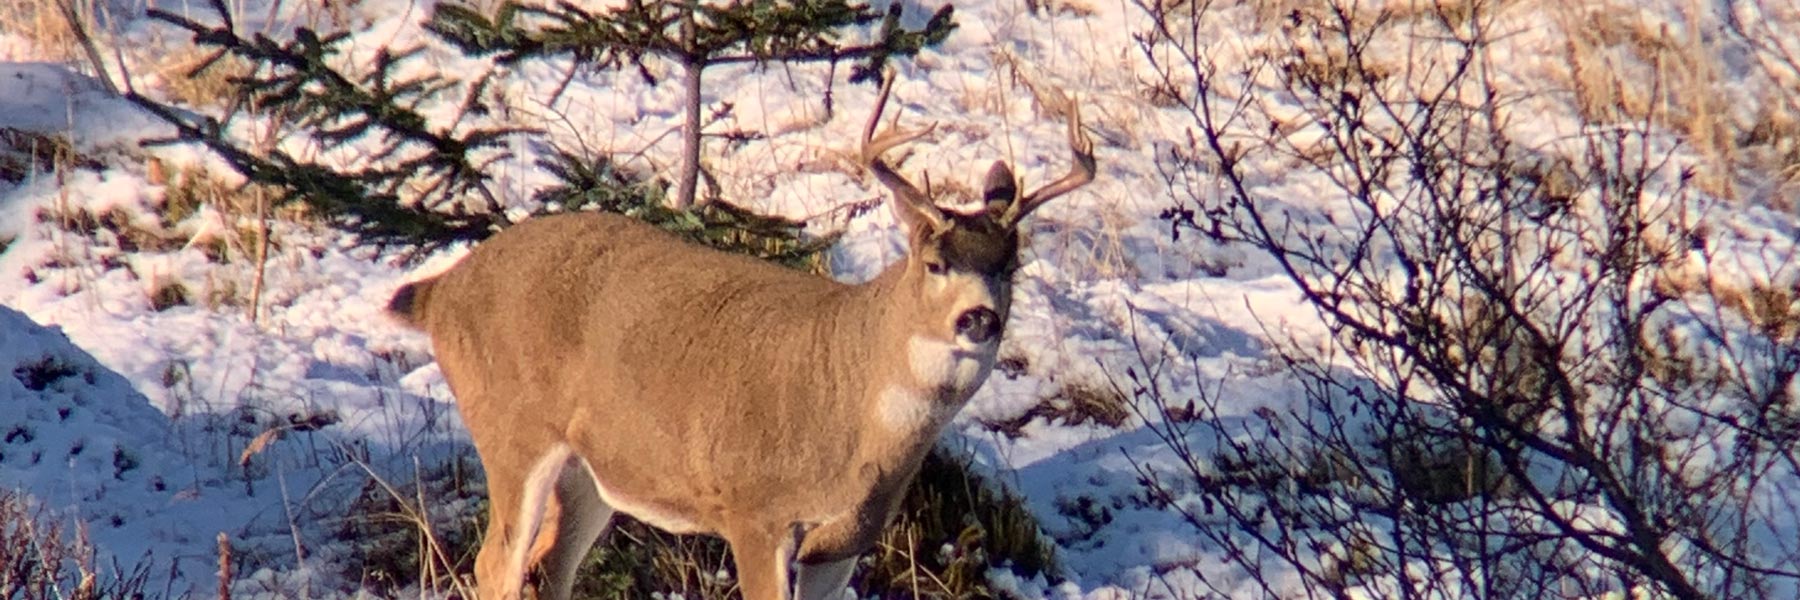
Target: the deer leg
pixel 828 553
pixel 580 520
pixel 822 581
pixel 516 511
pixel 762 559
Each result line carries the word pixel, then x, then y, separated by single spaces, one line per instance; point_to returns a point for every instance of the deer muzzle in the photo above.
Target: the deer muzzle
pixel 978 325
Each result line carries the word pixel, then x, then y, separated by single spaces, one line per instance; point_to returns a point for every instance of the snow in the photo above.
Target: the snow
pixel 178 394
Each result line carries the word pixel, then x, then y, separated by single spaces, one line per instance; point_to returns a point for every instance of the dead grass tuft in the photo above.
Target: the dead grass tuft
pixel 201 78
pixel 26 154
pixel 1625 68
pixel 952 528
pixel 1073 404
pixel 165 295
pixel 112 228
pixel 1071 8
pixel 42 558
pixel 424 533
pixel 41 24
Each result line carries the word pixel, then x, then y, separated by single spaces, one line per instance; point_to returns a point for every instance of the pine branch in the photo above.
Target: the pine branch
pixel 423 183
pixel 333 110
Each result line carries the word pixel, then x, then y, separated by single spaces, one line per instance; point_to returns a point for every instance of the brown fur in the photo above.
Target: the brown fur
pixel 702 388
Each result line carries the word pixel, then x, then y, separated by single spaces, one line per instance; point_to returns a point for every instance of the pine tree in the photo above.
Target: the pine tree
pixel 694 36
pixel 426 183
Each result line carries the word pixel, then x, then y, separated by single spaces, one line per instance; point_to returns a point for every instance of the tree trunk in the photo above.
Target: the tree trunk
pixel 688 178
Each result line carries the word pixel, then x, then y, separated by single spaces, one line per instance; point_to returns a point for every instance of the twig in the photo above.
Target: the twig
pixel 224 566
pixel 80 31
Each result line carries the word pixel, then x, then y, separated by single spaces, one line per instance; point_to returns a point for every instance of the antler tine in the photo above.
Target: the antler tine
pixel 873 146
pixel 1081 172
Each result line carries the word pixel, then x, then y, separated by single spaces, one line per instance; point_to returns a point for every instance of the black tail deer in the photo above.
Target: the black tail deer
pixel 603 365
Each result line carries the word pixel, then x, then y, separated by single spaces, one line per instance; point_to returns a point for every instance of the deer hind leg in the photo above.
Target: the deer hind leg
pixel 580 519
pixel 517 507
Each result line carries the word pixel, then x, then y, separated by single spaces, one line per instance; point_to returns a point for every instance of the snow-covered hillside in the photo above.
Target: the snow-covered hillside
pixel 139 420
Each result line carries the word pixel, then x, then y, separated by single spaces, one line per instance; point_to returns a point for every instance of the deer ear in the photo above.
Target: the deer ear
pixel 1000 189
pixel 919 216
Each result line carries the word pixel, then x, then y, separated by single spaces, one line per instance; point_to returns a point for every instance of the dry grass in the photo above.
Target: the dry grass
pixel 193 77
pixel 27 154
pixel 234 237
pixel 1620 64
pixel 1272 13
pixel 42 25
pixel 948 506
pixel 427 533
pixel 335 14
pixel 187 190
pixel 1623 67
pixel 422 533
pixel 1074 403
pixel 1072 8
pixel 952 528
pixel 42 558
pixel 1772 143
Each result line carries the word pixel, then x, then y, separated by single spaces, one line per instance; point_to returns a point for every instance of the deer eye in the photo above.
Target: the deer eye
pixel 936 267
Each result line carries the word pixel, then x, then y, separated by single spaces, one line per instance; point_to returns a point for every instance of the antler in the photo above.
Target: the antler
pixel 905 193
pixel 1080 172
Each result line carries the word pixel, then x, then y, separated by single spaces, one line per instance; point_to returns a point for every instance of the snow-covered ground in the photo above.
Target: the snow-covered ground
pixel 142 432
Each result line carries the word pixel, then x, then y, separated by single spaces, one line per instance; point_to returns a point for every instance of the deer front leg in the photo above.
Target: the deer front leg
pixel 828 554
pixel 822 581
pixel 761 556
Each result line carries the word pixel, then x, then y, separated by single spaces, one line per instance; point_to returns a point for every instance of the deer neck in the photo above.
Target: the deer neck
pixel 918 382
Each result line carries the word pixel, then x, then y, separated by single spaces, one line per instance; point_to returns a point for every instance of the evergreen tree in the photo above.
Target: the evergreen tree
pixel 693 35
pixel 427 183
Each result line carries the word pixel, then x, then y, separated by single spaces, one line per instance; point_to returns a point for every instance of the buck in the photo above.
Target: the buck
pixel 603 365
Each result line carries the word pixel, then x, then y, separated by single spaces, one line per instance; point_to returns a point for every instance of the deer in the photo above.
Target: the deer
pixel 603 365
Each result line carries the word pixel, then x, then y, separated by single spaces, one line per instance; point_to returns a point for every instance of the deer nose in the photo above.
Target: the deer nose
pixel 978 325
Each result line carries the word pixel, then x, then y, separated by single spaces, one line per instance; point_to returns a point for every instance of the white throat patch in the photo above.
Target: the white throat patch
pixel 903 410
pixel 937 364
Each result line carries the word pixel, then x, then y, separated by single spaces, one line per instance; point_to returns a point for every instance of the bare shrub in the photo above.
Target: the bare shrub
pixel 1556 366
